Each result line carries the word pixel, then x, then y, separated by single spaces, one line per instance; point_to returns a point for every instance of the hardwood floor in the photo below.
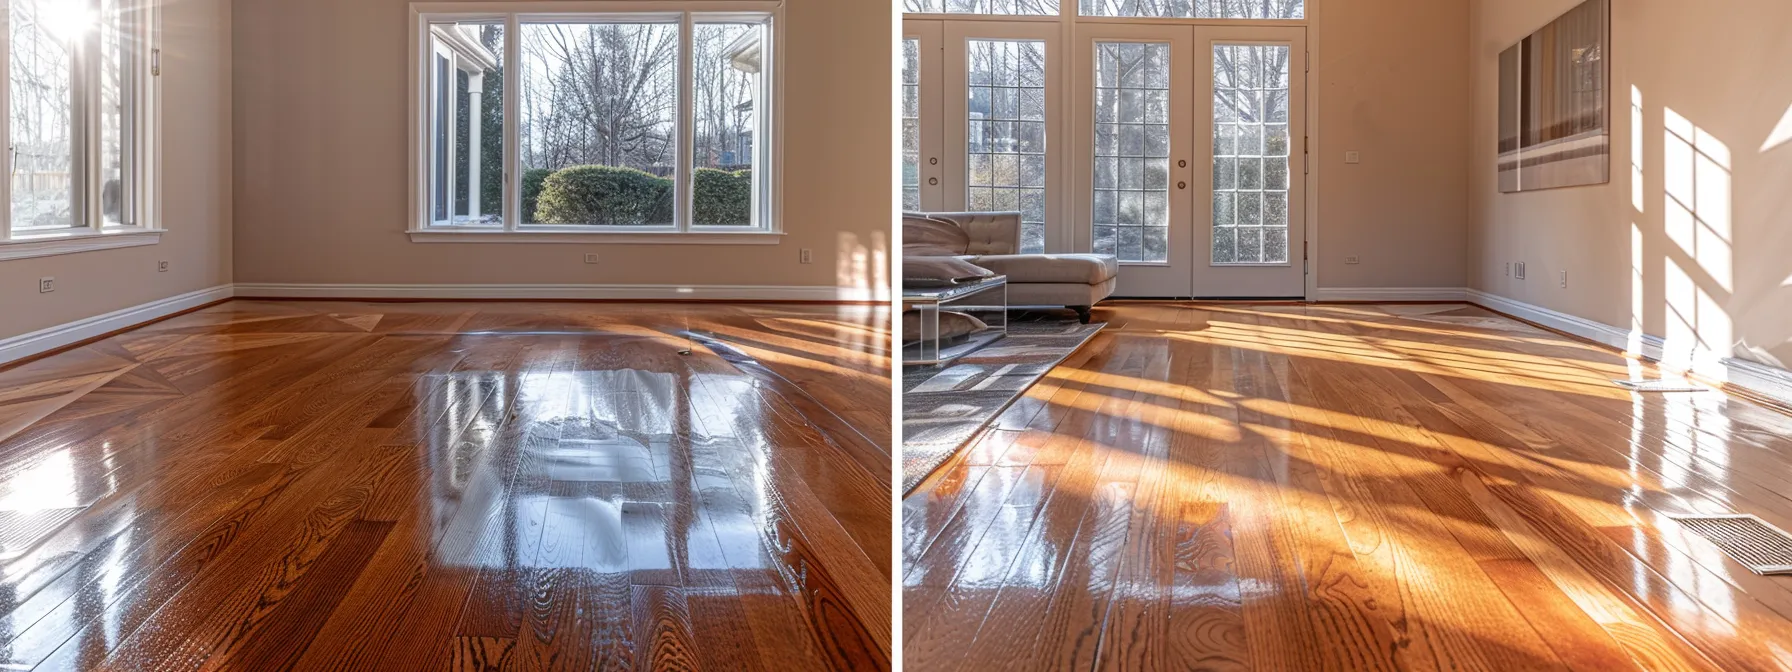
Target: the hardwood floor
pixel 308 485
pixel 1346 488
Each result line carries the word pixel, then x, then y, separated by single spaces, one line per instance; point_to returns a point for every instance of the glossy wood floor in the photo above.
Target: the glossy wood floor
pixel 267 485
pixel 1346 488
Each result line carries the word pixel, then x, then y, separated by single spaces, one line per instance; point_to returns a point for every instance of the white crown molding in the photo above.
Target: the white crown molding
pixel 561 292
pixel 49 246
pixel 1761 379
pixel 1375 294
pixel 39 342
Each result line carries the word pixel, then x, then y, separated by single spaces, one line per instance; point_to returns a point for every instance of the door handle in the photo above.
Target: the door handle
pixel 1182 164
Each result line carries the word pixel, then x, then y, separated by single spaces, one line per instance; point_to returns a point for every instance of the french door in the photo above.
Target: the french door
pixel 1194 166
pixel 1178 148
pixel 988 123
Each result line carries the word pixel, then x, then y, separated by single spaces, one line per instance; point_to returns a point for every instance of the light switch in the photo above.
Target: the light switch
pixel 1353 157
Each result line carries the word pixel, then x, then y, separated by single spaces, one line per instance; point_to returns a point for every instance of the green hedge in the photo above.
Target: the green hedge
pixel 604 196
pixel 533 179
pixel 722 198
pixel 612 196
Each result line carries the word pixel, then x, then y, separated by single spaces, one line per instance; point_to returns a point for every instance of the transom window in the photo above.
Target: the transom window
pixel 1196 9
pixel 77 73
pixel 602 123
pixel 1164 9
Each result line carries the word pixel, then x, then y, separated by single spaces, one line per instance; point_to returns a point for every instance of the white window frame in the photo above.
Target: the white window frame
pixel 142 137
pixel 768 180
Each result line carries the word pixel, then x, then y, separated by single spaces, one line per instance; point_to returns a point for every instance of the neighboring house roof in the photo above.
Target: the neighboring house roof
pixel 466 46
pixel 745 53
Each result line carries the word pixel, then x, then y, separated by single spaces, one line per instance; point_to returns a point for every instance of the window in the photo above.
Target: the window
pixel 1196 9
pixel 1250 154
pixel 911 125
pixel 648 123
pixel 1132 151
pixel 1005 134
pixel 1013 7
pixel 76 73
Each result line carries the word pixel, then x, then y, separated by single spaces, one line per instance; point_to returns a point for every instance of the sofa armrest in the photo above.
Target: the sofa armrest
pixel 990 232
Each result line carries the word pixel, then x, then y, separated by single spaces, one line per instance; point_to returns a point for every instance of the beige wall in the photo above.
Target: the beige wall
pixel 321 111
pixel 1719 66
pixel 1390 85
pixel 196 194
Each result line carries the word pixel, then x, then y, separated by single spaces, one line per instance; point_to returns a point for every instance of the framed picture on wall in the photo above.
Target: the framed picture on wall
pixel 1555 104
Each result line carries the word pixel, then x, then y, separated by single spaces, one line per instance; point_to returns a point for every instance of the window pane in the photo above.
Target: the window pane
pixel 467 124
pixel 727 86
pixel 1132 150
pixel 1006 144
pixel 911 125
pixel 43 33
pixel 1200 9
pixel 1022 7
pixel 1251 154
pixel 599 123
pixel 115 64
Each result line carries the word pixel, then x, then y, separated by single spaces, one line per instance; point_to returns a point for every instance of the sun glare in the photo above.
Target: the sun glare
pixel 67 20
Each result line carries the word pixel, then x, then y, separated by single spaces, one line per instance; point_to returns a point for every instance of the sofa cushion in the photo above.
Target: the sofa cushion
pixel 928 272
pixel 923 236
pixel 953 326
pixel 1086 269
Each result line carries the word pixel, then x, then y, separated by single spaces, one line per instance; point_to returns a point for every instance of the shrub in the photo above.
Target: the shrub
pixel 604 196
pixel 533 179
pixel 722 198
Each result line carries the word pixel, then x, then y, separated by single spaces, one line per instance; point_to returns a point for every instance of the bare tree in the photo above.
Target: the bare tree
pixel 600 94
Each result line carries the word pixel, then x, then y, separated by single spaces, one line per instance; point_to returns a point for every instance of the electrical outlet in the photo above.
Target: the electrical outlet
pixel 1353 260
pixel 1564 279
pixel 1353 157
pixel 1520 270
pixel 1508 269
pixel 46 285
pixel 591 257
pixel 162 267
pixel 807 256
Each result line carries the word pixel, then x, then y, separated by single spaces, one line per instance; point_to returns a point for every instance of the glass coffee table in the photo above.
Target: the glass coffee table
pixel 974 315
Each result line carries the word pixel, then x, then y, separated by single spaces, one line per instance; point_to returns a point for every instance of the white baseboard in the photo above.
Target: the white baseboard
pixel 1375 294
pixel 1768 381
pixel 560 292
pixel 45 340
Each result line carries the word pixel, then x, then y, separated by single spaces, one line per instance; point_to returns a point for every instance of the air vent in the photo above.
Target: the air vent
pixel 1761 547
pixel 1661 386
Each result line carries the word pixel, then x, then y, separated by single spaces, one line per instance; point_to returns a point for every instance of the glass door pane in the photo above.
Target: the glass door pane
pixel 1250 154
pixel 1131 195
pixel 911 125
pixel 1006 133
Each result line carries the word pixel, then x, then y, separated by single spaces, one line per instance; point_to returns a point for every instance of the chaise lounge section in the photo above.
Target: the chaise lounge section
pixel 991 240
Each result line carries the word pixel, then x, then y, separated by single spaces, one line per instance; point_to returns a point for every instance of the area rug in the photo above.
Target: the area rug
pixel 943 408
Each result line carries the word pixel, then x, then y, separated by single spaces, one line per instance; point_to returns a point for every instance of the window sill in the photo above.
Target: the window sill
pixel 27 246
pixel 447 235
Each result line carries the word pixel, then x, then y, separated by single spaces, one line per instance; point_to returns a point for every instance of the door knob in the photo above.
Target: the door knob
pixel 933 181
pixel 1182 164
pixel 933 161
pixel 1181 185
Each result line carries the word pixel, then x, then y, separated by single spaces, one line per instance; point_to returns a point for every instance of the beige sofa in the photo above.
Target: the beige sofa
pixel 992 240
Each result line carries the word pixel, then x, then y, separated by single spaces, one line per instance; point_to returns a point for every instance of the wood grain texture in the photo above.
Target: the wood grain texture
pixel 1289 487
pixel 329 485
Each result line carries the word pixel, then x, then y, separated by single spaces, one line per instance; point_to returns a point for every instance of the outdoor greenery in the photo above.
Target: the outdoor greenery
pixel 722 198
pixel 611 196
